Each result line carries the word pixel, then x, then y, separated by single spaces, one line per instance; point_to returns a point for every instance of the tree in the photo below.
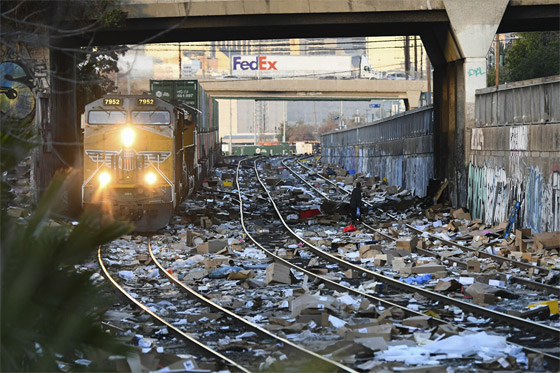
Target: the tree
pixel 532 55
pixel 93 73
pixel 329 124
pixel 48 309
pixel 300 132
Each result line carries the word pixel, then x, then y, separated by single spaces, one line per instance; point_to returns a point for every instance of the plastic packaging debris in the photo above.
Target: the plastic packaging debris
pixel 349 228
pixel 224 271
pixel 336 322
pixel 127 275
pixel 419 280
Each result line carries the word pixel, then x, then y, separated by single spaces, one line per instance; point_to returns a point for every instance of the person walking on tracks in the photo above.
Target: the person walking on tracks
pixel 356 202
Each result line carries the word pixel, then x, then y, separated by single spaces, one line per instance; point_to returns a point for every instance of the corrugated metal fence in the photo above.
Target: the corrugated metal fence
pixel 399 148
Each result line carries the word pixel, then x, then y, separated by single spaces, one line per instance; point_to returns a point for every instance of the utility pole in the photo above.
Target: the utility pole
pixel 406 56
pixel 421 63
pixel 180 62
pixel 497 62
pixel 415 56
pixel 315 114
pixel 429 77
pixel 230 130
pixel 285 107
pixel 255 121
pixel 340 117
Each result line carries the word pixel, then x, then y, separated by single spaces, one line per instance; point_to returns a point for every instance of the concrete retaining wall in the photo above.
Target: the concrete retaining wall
pixel 515 154
pixel 399 148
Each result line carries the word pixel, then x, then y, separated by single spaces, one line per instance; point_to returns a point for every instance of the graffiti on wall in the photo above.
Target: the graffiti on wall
pixel 22 77
pixel 477 139
pixel 491 194
pixel 519 138
pixel 412 172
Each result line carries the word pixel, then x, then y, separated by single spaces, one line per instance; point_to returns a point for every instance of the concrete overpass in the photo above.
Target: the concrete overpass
pixel 457 35
pixel 303 89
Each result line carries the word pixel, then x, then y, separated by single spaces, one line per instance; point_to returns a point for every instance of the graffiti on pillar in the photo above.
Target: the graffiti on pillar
pixel 476 72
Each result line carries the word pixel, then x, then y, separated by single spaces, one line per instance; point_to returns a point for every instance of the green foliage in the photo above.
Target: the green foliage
pixel 533 55
pixel 48 310
pixel 16 141
pixel 47 307
pixel 93 73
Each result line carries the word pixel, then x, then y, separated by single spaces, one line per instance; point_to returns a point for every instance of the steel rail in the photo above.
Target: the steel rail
pixel 197 345
pixel 553 359
pixel 239 319
pixel 549 289
pixel 478 310
pixel 328 282
pixel 483 254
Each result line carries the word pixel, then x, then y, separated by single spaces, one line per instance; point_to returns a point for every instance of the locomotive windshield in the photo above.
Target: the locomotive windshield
pixel 106 117
pixel 158 117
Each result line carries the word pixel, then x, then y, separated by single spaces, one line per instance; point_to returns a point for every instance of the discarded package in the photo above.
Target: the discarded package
pixel 224 272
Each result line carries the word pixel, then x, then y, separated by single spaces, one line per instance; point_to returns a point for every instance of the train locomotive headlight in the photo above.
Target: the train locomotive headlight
pixel 127 136
pixel 150 178
pixel 104 179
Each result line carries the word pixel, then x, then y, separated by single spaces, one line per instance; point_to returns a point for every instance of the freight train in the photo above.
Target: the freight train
pixel 144 155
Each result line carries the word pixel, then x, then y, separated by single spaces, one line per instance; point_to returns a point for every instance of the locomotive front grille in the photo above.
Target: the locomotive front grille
pixel 128 160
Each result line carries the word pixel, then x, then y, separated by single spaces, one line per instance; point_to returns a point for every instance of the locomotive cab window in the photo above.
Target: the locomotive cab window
pixel 158 117
pixel 106 117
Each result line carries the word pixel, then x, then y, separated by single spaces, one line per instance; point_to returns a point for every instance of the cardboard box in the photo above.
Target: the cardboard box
pixel 350 274
pixel 484 298
pixel 520 234
pixel 211 246
pixel 527 256
pixel 515 255
pixel 407 243
pixel 473 266
pixel 417 322
pixel 369 251
pixel 383 331
pixel 205 222
pixel 428 268
pixel 216 261
pixel 278 273
pixel 380 260
pixel 306 302
pixel 548 240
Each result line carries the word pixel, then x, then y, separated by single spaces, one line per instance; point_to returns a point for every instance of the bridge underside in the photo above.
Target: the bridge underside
pixel 298 89
pixel 173 21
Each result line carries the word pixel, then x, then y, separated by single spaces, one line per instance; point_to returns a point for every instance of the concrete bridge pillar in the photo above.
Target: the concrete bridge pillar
pixel 459 58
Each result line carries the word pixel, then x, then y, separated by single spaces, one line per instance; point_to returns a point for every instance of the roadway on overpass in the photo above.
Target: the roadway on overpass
pixel 317 89
pixel 151 21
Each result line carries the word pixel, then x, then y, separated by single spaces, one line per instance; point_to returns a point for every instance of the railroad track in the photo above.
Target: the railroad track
pixel 236 355
pixel 500 259
pixel 231 326
pixel 482 311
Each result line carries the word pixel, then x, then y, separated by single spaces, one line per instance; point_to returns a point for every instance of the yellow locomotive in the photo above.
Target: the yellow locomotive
pixel 140 158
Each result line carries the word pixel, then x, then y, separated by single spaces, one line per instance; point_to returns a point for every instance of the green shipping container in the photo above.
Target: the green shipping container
pixel 181 90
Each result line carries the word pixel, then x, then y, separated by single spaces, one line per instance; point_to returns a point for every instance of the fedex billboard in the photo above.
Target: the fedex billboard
pixel 269 66
pixel 253 63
